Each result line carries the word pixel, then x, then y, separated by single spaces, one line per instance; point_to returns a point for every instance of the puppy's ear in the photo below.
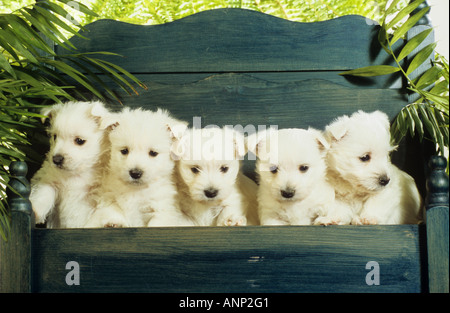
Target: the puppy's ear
pixel 239 147
pixel 180 146
pixel 323 144
pixel 98 109
pixel 383 121
pixel 103 117
pixel 176 128
pixel 256 142
pixel 48 113
pixel 382 118
pixel 337 129
pixel 252 141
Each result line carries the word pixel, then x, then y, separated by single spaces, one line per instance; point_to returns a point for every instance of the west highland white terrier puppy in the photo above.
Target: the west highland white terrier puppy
pixel 60 190
pixel 212 190
pixel 293 189
pixel 137 187
pixel 369 188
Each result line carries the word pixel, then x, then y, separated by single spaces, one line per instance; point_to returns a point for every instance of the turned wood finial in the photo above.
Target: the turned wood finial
pixel 19 192
pixel 437 183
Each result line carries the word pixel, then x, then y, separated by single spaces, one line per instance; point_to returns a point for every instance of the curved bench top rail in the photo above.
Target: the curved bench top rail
pixel 245 67
pixel 242 67
pixel 236 40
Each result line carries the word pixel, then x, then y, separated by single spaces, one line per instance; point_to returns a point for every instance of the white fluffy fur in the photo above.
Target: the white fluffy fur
pixel 60 191
pixel 209 162
pixel 291 161
pixel 140 142
pixel 358 160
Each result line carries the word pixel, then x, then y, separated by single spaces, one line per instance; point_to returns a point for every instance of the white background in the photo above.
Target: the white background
pixel 439 20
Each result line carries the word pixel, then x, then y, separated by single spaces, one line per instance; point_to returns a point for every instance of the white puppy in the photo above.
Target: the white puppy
pixel 211 189
pixel 60 189
pixel 137 187
pixel 369 188
pixel 291 167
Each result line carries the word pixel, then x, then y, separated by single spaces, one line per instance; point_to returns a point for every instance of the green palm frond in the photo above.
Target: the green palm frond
pixel 33 75
pixel 428 116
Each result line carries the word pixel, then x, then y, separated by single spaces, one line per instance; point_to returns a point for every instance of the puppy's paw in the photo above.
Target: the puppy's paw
pixel 328 220
pixel 232 221
pixel 42 199
pixel 39 219
pixel 41 210
pixel 113 225
pixel 364 220
pixel 102 219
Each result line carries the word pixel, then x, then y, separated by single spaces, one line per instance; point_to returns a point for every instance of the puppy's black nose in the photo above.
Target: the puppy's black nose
pixel 136 173
pixel 288 193
pixel 58 159
pixel 211 193
pixel 384 180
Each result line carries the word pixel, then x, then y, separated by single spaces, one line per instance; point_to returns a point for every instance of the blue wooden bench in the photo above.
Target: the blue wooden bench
pixel 230 67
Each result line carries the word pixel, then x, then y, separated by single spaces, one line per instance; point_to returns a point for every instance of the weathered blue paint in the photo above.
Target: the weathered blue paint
pixel 232 67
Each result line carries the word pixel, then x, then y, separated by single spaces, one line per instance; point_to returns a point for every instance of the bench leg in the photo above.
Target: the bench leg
pixel 15 254
pixel 437 226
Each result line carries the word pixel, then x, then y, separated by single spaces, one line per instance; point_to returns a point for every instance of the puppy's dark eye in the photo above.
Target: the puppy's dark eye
pixel 124 151
pixel 273 169
pixel 224 169
pixel 303 168
pixel 365 158
pixel 153 153
pixel 79 141
pixel 195 169
pixel 54 137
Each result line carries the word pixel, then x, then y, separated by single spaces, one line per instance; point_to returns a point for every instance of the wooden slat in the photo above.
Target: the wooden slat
pixel 262 99
pixel 215 259
pixel 247 101
pixel 236 40
pixel 16 255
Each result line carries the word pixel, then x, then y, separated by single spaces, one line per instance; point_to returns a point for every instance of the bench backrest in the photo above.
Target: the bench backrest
pixel 234 66
pixel 240 67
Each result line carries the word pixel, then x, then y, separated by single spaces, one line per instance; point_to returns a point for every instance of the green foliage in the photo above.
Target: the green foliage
pixel 10 6
pixel 151 12
pixel 32 75
pixel 426 117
